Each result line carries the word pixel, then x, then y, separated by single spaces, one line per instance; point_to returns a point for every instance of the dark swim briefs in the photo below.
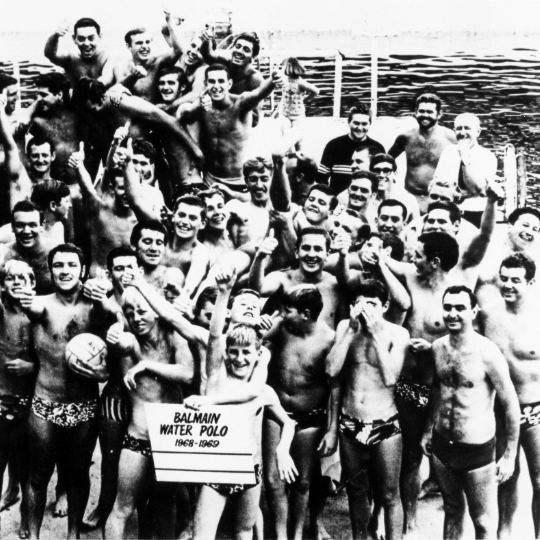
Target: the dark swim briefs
pixel 462 457
pixel 140 446
pixel 530 415
pixel 411 392
pixel 311 419
pixel 232 489
pixel 368 433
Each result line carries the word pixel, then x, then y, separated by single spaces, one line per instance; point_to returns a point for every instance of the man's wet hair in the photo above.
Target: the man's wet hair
pixel 66 248
pixel 427 95
pixel 152 225
pixel 121 251
pixel 191 200
pixel 86 22
pixel 443 246
pixel 173 70
pixel 304 297
pixel 6 80
pixel 520 260
pixel 313 230
pixel 304 165
pixel 256 164
pixel 450 207
pixel 209 294
pixel 88 89
pixel 56 83
pixel 394 242
pixel 359 108
pixel 243 335
pixel 393 203
pixel 327 190
pixel 211 192
pixel 217 66
pixel 145 148
pixel 382 158
pixel 26 206
pixel 16 268
pixel 518 212
pixel 253 38
pixel 373 288
pixel 134 32
pixel 48 191
pixel 457 289
pixel 39 140
pixel 370 176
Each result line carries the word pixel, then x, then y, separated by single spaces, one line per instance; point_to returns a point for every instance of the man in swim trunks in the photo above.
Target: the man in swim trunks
pixel 460 433
pixel 299 343
pixel 511 322
pixel 364 365
pixel 423 147
pixel 63 423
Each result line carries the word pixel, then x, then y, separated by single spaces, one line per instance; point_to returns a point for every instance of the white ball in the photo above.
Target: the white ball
pixel 86 349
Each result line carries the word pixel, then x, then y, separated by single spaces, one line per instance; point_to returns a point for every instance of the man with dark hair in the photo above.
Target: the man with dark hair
pixel 53 198
pixel 360 195
pixel 391 216
pixel 364 365
pixel 30 246
pixel 460 432
pixel 91 58
pixel 335 165
pixel 225 124
pixel 144 162
pixel 299 344
pixel 511 322
pixel 63 423
pixel 423 146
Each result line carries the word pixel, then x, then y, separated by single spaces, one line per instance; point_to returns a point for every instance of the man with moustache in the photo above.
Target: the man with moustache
pixel 335 165
pixel 423 146
pixel 91 58
pixel 470 165
pixel 63 421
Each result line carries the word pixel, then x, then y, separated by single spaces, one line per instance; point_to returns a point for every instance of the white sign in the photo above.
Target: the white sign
pixel 212 445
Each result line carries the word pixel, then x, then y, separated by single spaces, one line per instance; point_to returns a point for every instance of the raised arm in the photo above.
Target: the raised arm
pixel 257 280
pixel 399 146
pixel 200 261
pixel 345 333
pixel 346 278
pixel 250 100
pixel 209 53
pixel 280 189
pixel 396 290
pixel 32 305
pixel 51 46
pixel 477 249
pixel 76 161
pixel 479 169
pixel 308 88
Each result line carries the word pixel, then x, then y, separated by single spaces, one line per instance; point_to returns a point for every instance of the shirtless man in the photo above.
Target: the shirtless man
pixel 364 365
pixel 225 125
pixel 53 198
pixel 160 365
pixel 360 195
pixel 142 69
pixel 521 236
pixel 460 433
pixel 299 343
pixel 91 58
pixel 423 147
pixel 63 423
pixel 335 165
pixel 30 246
pixel 511 322
pixel 228 373
pixel 312 250
pixel 18 368
pixel 391 216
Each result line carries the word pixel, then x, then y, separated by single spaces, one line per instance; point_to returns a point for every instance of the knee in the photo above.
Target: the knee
pixel 302 485
pixel 273 483
pixel 454 507
pixel 390 495
pixel 484 526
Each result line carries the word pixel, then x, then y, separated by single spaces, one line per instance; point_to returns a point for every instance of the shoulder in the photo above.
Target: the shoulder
pixel 440 345
pixel 329 279
pixel 398 333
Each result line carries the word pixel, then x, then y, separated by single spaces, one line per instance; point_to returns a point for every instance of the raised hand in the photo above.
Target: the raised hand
pixel 62 29
pixel 122 132
pixel 225 279
pixel 116 330
pixel 76 159
pixel 495 192
pixel 98 288
pixel 269 244
pixel 342 243
pixel 27 298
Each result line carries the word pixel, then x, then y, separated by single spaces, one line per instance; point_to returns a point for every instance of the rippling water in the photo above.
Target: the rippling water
pixel 504 90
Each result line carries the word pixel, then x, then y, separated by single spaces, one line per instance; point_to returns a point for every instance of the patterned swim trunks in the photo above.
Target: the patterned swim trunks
pixel 311 419
pixel 13 407
pixel 411 392
pixel 232 489
pixel 368 433
pixel 530 415
pixel 140 446
pixel 66 415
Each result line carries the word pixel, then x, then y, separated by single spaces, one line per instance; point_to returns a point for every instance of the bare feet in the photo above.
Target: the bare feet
pixel 60 506
pixel 187 533
pixel 429 489
pixel 93 521
pixel 23 532
pixel 9 498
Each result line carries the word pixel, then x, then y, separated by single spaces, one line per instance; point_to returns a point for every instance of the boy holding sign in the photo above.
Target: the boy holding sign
pixel 227 374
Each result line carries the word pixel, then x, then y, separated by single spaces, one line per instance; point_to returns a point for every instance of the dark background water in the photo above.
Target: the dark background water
pixel 503 90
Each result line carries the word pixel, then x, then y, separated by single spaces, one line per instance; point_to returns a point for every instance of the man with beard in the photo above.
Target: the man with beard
pixel 29 245
pixel 91 58
pixel 469 165
pixel 423 147
pixel 225 125
pixel 336 159
pixel 460 433
pixel 313 245
pixel 56 120
pixel 63 423
pixel 521 236
pixel 511 322
pixel 299 344
pixel 360 195
pixel 143 67
pixel 109 213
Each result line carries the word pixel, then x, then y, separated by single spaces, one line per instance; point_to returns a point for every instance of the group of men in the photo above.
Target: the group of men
pixel 387 321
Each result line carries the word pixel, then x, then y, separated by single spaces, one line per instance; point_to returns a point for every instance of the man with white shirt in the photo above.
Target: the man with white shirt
pixel 472 165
